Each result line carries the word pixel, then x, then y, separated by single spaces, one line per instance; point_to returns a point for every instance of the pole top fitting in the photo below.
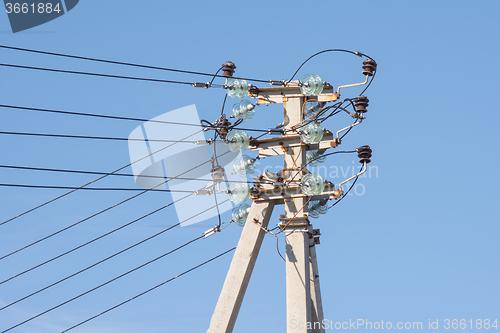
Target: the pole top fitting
pixel 228 68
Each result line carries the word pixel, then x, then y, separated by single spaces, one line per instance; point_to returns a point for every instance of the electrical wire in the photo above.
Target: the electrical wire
pixel 93 181
pixel 94 115
pixel 115 174
pixel 214 159
pixel 96 214
pixel 122 63
pixel 114 230
pixel 350 188
pixel 95 74
pixel 271 233
pixel 336 109
pixel 209 126
pixel 97 263
pixel 369 83
pixel 329 50
pixel 93 265
pixel 282 229
pixel 215 75
pixel 347 132
pixel 151 289
pixel 324 155
pixel 101 285
pixel 89 137
pixel 317 115
pixel 91 188
pixel 90 242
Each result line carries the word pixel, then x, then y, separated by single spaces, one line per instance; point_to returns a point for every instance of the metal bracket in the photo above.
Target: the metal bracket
pixel 280 145
pixel 294 223
pixel 281 94
pixel 283 194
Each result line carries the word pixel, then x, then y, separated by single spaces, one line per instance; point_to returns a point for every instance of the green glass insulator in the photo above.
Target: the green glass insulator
pixel 238 192
pixel 322 208
pixel 237 88
pixel 314 157
pixel 240 214
pixel 311 85
pixel 244 165
pixel 313 212
pixel 312 184
pixel 311 108
pixel 243 110
pixel 237 140
pixel 317 207
pixel 319 84
pixel 311 133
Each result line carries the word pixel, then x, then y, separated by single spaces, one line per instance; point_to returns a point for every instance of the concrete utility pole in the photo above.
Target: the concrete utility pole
pixel 304 307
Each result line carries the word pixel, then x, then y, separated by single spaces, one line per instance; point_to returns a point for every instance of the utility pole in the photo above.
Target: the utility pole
pixel 304 307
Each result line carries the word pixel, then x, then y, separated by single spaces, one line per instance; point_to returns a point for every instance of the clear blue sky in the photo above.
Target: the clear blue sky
pixel 421 243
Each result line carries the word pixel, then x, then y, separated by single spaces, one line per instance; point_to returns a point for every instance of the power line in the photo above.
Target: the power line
pixel 93 181
pixel 95 74
pixel 90 188
pixel 96 214
pixel 114 230
pixel 329 50
pixel 149 290
pixel 101 285
pixel 89 137
pixel 120 118
pixel 16 167
pixel 123 63
pixel 89 242
pixel 95 115
pixel 93 265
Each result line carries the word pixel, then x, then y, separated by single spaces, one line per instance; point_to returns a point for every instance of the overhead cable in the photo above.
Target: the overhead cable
pixel 93 181
pixel 123 63
pixel 151 289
